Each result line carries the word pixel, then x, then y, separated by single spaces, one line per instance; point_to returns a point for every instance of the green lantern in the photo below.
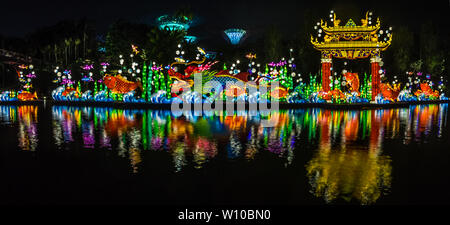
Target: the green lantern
pixel 144 81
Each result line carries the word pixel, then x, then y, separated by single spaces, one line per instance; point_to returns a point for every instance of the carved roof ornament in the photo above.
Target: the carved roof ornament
pixel 351 40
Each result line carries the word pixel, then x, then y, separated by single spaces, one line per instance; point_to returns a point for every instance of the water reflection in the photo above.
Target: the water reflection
pixel 349 172
pixel 348 161
pixel 26 117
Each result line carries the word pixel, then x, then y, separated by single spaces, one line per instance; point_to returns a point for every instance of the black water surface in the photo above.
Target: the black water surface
pixel 87 155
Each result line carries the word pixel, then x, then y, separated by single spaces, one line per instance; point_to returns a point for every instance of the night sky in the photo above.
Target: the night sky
pixel 18 18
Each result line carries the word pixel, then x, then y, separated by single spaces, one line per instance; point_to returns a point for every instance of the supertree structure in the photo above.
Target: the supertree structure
pixel 176 23
pixel 173 23
pixel 190 39
pixel 235 35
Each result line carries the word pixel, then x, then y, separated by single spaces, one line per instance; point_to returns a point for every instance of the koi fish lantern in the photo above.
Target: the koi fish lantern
pixel 426 89
pixel 390 92
pixel 26 96
pixel 119 85
pixel 352 81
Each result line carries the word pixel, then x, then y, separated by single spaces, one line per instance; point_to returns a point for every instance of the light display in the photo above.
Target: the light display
pixel 351 41
pixel 26 116
pixel 87 74
pixel 65 91
pixel 173 23
pixel 336 171
pixel 119 85
pixel 8 96
pixel 134 79
pixel 190 39
pixel 235 35
pixel 144 82
pixel 26 75
pixel 426 91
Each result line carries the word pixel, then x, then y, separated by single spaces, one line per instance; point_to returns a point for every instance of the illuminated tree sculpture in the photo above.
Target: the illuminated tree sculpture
pixel 190 39
pixel 173 23
pixel 176 23
pixel 235 35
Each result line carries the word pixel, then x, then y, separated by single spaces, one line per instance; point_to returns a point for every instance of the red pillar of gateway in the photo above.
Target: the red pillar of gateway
pixel 375 63
pixel 326 73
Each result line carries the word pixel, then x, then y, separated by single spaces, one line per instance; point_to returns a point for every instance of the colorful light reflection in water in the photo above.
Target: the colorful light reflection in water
pixel 27 118
pixel 348 161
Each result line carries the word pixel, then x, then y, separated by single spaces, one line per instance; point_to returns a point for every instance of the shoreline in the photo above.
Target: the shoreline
pixel 165 106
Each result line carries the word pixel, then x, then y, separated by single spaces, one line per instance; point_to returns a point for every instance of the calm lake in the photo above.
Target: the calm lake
pixel 72 155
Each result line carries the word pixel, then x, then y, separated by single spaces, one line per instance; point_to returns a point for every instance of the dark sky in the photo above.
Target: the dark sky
pixel 17 18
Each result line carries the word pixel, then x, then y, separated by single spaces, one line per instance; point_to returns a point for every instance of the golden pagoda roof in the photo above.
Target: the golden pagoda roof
pixel 351 40
pixel 350 26
pixel 382 45
pixel 350 29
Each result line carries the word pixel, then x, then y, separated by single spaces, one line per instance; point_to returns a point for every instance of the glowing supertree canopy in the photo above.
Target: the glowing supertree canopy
pixel 190 39
pixel 173 23
pixel 235 35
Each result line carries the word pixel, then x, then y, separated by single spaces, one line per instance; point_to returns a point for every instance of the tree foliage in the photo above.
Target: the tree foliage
pixel 272 44
pixel 122 34
pixel 431 49
pixel 163 44
pixel 402 49
pixel 64 42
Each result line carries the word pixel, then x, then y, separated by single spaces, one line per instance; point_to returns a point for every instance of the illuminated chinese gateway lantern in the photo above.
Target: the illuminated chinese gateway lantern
pixel 351 41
